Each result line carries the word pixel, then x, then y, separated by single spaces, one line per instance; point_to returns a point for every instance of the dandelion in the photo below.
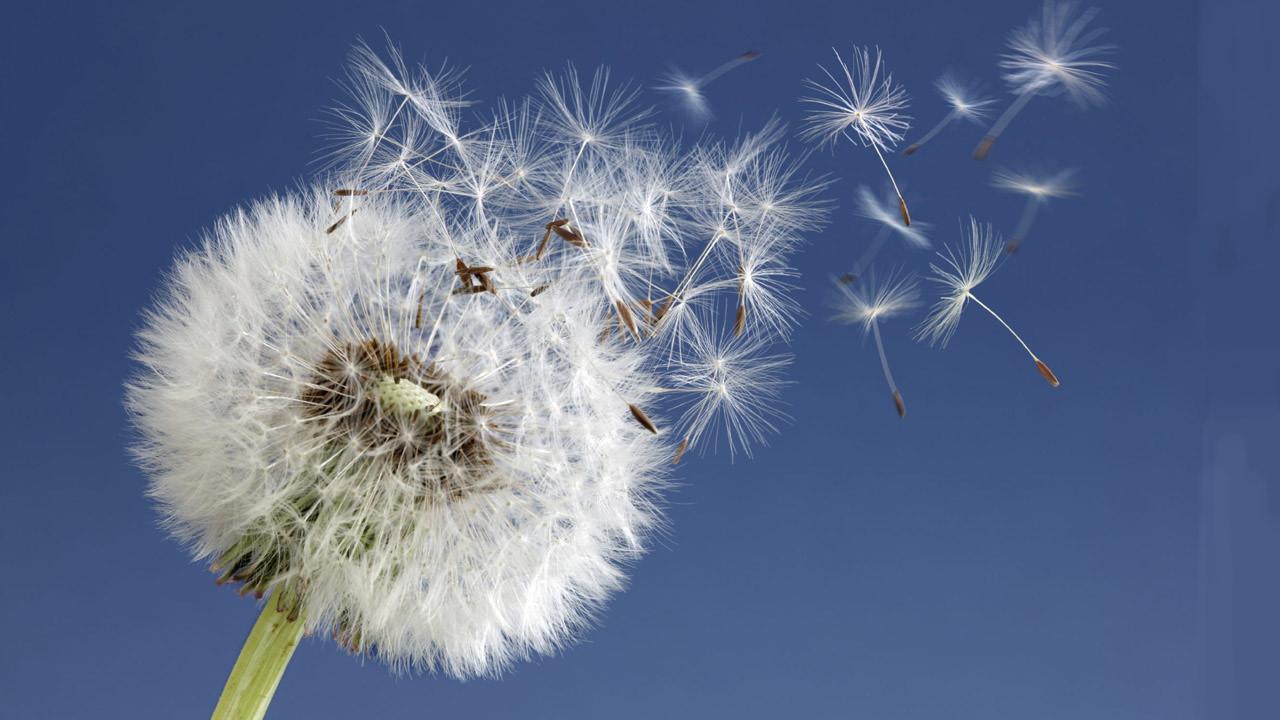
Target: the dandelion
pixel 1039 189
pixel 962 269
pixel 688 89
pixel 882 211
pixel 1054 54
pixel 423 407
pixel 967 103
pixel 864 106
pixel 870 302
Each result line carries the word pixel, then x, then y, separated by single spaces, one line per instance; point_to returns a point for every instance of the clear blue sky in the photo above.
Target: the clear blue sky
pixel 1100 551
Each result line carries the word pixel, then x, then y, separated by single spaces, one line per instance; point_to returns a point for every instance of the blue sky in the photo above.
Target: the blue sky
pixel 1007 551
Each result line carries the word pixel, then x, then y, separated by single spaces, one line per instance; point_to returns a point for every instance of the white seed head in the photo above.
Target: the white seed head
pixel 870 299
pixel 860 102
pixel 962 268
pixel 1058 53
pixel 413 412
pixel 1039 185
pixel 966 99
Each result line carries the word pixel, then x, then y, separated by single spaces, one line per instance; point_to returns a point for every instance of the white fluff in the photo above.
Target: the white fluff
pixel 378 405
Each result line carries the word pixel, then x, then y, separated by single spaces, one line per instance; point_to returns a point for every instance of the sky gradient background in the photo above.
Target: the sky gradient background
pixel 1104 550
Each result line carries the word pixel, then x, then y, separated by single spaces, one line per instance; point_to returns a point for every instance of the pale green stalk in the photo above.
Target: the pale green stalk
pixel 262 661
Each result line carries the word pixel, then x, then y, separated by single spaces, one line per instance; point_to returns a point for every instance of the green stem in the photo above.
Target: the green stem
pixel 262 661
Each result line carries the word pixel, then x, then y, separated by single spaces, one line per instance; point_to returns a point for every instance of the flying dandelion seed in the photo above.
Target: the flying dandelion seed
pixel 1052 55
pixel 688 90
pixel 863 106
pixel 1039 189
pixel 963 269
pixel 435 430
pixel 967 103
pixel 870 302
pixel 883 211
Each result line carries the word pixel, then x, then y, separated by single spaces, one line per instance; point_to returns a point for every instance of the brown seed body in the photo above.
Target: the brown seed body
pixel 625 314
pixel 906 216
pixel 897 403
pixel 1047 373
pixel 684 445
pixel 984 148
pixel 643 419
pixel 338 223
pixel 740 322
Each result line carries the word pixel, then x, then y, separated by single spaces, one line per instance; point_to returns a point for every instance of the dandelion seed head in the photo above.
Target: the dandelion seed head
pixel 871 299
pixel 959 270
pixel 687 92
pixel 429 412
pixel 1058 53
pixel 1039 185
pixel 858 101
pixel 965 98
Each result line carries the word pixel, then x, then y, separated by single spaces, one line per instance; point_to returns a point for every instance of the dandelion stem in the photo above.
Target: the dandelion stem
pixel 929 135
pixel 888 375
pixel 872 250
pixel 262 661
pixel 1001 123
pixel 902 203
pixel 1024 224
pixel 744 58
pixel 1044 369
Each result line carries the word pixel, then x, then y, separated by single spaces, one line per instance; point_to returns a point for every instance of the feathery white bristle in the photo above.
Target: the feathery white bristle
pixel 1058 53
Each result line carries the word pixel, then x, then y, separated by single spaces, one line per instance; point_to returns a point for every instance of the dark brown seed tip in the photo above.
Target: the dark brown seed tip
pixel 1047 373
pixel 538 290
pixel 906 216
pixel 749 55
pixel 911 149
pixel 740 323
pixel 984 148
pixel 684 445
pixel 349 192
pixel 643 419
pixel 625 313
pixel 897 402
pixel 1012 246
pixel 338 223
pixel 847 279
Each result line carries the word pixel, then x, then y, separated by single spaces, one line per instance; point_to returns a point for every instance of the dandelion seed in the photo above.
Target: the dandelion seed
pixel 962 269
pixel 870 302
pixel 967 103
pixel 1038 188
pixel 1054 54
pixel 863 106
pixel 688 90
pixel 880 209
